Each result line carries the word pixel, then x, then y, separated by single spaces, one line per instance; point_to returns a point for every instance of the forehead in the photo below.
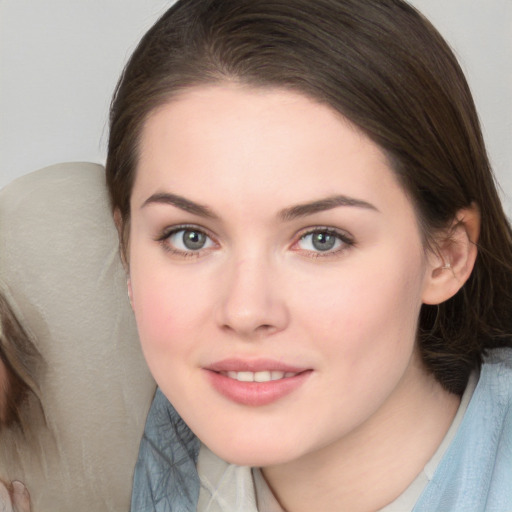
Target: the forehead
pixel 242 140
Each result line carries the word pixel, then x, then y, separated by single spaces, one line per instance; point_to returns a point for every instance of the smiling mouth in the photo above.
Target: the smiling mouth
pixel 258 387
pixel 262 376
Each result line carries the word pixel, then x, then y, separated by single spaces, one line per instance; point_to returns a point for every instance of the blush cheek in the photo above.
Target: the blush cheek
pixel 153 312
pixel 365 323
pixel 168 312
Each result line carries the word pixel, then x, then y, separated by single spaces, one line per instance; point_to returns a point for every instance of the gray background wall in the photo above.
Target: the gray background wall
pixel 60 59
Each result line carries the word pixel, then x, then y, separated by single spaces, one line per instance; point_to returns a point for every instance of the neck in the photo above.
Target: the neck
pixel 369 468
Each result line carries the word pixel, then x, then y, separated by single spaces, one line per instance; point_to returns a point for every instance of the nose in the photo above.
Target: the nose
pixel 252 303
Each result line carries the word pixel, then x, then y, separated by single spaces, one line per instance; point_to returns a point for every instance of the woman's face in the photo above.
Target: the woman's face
pixel 277 272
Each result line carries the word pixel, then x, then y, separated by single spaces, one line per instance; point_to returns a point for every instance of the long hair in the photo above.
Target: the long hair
pixel 384 67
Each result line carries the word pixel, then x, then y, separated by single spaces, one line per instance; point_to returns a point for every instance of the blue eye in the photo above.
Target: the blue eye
pixel 188 240
pixel 323 241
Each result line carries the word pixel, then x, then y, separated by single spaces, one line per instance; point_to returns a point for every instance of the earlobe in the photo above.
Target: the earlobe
pixel 121 227
pixel 451 264
pixel 118 221
pixel 130 292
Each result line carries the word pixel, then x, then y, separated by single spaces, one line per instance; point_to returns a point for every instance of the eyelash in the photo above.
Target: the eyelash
pixel 163 239
pixel 345 239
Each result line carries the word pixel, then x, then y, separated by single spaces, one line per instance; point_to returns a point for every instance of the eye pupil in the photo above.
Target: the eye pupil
pixel 323 241
pixel 193 240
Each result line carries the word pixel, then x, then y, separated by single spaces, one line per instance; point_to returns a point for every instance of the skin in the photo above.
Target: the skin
pixel 367 416
pixel 14 497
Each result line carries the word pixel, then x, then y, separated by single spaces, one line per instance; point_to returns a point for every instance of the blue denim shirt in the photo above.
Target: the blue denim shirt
pixel 474 475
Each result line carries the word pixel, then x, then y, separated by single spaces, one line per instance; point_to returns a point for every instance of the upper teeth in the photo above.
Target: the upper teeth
pixel 265 376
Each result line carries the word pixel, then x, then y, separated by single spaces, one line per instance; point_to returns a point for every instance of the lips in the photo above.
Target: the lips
pixel 263 376
pixel 255 383
pixel 256 365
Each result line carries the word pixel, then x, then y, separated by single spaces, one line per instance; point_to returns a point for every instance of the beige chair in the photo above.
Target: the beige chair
pixel 62 278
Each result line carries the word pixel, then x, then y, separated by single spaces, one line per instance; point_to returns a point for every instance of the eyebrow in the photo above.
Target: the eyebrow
pixel 181 203
pixel 302 210
pixel 293 212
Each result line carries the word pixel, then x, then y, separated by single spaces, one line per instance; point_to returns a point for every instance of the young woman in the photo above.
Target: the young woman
pixel 318 262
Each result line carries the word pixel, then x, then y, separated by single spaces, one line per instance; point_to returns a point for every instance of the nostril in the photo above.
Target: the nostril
pixel 254 331
pixel 266 328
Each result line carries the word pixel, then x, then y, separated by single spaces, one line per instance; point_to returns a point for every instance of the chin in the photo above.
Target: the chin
pixel 255 454
pixel 250 459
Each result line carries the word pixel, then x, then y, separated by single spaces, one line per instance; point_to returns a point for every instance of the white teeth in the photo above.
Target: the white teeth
pixel 245 376
pixel 264 376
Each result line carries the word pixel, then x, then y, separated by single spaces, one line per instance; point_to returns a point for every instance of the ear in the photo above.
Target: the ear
pixel 452 261
pixel 130 292
pixel 120 226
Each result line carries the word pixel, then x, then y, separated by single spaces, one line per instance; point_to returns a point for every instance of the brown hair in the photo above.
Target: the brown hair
pixel 19 361
pixel 384 67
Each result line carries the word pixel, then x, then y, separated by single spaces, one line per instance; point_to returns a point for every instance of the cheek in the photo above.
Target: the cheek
pixel 164 337
pixel 366 309
pixel 171 310
pixel 365 327
pixel 162 312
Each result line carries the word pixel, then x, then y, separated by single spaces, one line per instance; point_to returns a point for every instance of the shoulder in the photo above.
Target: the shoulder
pixel 485 434
pixel 499 362
pixel 476 470
pixel 494 389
